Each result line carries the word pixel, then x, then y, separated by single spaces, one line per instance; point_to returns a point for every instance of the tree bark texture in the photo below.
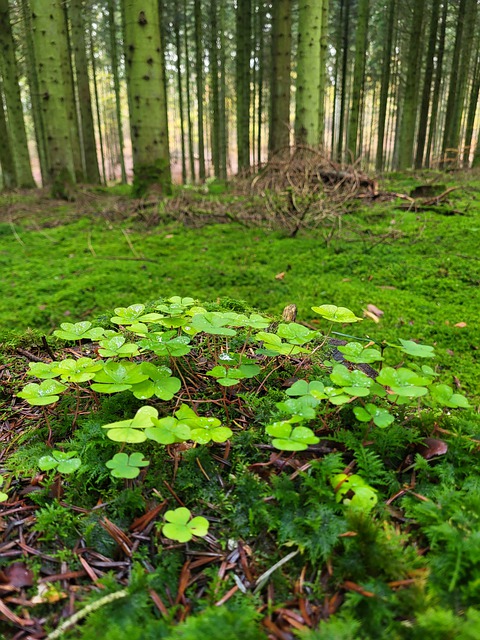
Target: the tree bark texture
pixel 279 130
pixel 243 77
pixel 148 108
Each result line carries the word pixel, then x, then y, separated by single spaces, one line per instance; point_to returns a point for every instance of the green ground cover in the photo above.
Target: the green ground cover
pixel 343 508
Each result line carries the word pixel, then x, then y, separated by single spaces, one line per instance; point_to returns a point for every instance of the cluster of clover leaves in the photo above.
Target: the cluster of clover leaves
pixel 141 352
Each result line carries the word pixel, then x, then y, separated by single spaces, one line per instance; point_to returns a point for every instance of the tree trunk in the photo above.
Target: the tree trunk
pixel 322 81
pixel 243 77
pixel 406 134
pixel 222 113
pixel 49 42
pixel 427 84
pixel 435 102
pixel 178 51
pixel 191 154
pixel 358 75
pixel 279 127
pixel 472 109
pixel 116 85
pixel 97 105
pixel 343 95
pixel 145 84
pixel 385 84
pixel 9 178
pixel 84 98
pixel 13 100
pixel 199 85
pixel 308 72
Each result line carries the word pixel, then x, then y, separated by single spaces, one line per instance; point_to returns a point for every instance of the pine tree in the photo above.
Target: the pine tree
pixel 279 128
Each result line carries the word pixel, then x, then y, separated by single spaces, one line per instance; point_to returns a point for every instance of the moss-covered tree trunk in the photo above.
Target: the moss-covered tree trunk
pixel 13 100
pixel 385 82
pixel 279 128
pixel 308 71
pixel 7 166
pixel 361 44
pixel 243 78
pixel 84 98
pixel 48 34
pixel 112 31
pixel 199 85
pixel 147 97
pixel 427 83
pixel 406 133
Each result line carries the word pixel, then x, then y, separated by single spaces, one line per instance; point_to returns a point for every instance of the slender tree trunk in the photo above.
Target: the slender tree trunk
pixel 83 86
pixel 97 106
pixel 199 85
pixel 435 102
pixel 261 63
pixel 336 81
pixel 215 91
pixel 9 177
pixel 358 75
pixel 410 99
pixel 13 100
pixel 323 73
pixel 343 95
pixel 34 93
pixel 65 53
pixel 472 109
pixel 191 154
pixel 145 83
pixel 178 51
pixel 222 113
pixel 116 85
pixel 49 39
pixel 243 77
pixel 279 129
pixel 427 84
pixel 308 72
pixel 385 83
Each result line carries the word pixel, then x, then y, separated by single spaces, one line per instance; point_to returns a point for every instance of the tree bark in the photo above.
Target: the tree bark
pixel 7 166
pixel 199 85
pixel 13 100
pixel 116 85
pixel 243 77
pixel 308 72
pixel 279 127
pixel 358 76
pixel 148 107
pixel 385 84
pixel 49 39
pixel 84 98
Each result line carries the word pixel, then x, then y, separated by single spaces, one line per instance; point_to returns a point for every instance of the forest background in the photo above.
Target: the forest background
pixel 219 87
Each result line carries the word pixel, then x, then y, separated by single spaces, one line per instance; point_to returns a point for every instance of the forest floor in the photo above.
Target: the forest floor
pixel 409 268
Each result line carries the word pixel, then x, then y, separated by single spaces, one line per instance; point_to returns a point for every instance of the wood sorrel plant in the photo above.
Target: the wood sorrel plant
pixel 179 354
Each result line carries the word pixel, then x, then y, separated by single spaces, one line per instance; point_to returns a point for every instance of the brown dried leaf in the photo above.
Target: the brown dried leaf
pixel 431 447
pixel 460 325
pixel 18 575
pixel 372 316
pixel 280 276
pixel 373 309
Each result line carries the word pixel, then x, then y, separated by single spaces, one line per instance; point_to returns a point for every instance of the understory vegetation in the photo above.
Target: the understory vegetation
pixel 216 424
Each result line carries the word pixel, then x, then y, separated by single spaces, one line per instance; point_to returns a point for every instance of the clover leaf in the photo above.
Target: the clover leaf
pixel 214 323
pixel 303 388
pixel 160 383
pixel 296 333
pixel 168 430
pixel 3 496
pixel 355 383
pixel 42 370
pixel 227 377
pixel 290 438
pixel 202 429
pixel 42 394
pixel 79 331
pixel 179 527
pixel 132 430
pixel 364 496
pixel 355 352
pixel 80 370
pixel 445 396
pixel 256 321
pixel 381 417
pixel 404 382
pixel 116 346
pixel 132 314
pixel 336 314
pixel 117 376
pixel 123 465
pixel 62 461
pixel 273 345
pixel 163 344
pixel 419 350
